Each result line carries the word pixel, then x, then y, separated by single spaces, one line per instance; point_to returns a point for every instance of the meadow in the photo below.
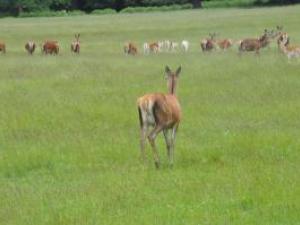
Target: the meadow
pixel 69 130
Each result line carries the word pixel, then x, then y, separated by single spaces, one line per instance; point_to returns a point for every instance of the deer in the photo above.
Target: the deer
pixel 289 50
pixel 281 36
pixel 224 43
pixel 2 47
pixel 75 45
pixel 50 47
pixel 163 113
pixel 254 44
pixel 208 44
pixel 130 49
pixel 185 45
pixel 154 47
pixel 30 47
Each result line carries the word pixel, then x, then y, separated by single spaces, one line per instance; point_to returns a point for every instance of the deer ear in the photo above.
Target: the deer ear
pixel 178 71
pixel 167 70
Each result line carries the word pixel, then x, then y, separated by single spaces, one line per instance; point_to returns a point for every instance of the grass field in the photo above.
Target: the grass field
pixel 69 131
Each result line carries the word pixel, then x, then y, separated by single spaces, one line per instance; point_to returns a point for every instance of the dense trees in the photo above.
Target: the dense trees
pixel 16 6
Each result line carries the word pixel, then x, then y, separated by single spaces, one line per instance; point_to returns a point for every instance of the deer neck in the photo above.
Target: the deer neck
pixel 172 86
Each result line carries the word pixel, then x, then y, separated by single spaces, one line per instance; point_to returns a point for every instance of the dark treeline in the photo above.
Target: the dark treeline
pixel 17 6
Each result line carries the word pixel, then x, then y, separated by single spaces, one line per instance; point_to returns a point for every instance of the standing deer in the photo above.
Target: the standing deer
pixel 75 46
pixel 289 50
pixel 163 112
pixel 50 47
pixel 154 47
pixel 2 47
pixel 254 44
pixel 30 47
pixel 185 45
pixel 130 49
pixel 224 43
pixel 208 44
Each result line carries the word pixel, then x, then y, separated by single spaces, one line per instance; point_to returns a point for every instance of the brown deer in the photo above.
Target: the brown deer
pixel 208 44
pixel 30 47
pixel 154 47
pixel 75 46
pixel 130 49
pixel 50 47
pixel 2 47
pixel 255 44
pixel 224 43
pixel 163 112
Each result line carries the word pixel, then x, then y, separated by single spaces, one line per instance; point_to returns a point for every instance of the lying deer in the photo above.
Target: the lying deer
pixel 50 47
pixel 163 112
pixel 75 46
pixel 209 43
pixel 2 47
pixel 30 47
pixel 254 44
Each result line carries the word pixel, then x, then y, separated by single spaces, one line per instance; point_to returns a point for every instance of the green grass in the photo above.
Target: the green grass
pixel 69 136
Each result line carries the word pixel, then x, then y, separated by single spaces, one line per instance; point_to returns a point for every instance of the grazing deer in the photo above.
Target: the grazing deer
pixel 254 44
pixel 2 47
pixel 224 43
pixel 185 45
pixel 50 47
pixel 154 47
pixel 163 112
pixel 289 50
pixel 208 44
pixel 30 47
pixel 75 46
pixel 130 49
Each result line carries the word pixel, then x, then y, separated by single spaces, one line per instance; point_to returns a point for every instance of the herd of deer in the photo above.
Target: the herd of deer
pixel 48 47
pixel 163 111
pixel 211 43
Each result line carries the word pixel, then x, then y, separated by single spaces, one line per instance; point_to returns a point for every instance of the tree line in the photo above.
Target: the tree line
pixel 17 6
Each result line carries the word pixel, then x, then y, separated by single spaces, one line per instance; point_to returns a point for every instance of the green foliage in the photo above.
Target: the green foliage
pixel 156 8
pixel 229 3
pixel 103 11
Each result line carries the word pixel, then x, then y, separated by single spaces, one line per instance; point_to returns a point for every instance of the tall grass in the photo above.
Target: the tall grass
pixel 69 138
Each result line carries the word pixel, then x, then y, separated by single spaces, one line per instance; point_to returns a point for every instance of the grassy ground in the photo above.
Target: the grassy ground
pixel 69 139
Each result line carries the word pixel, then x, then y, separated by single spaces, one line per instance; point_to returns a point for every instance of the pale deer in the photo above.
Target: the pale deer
pixel 2 47
pixel 289 50
pixel 30 47
pixel 185 45
pixel 75 46
pixel 163 112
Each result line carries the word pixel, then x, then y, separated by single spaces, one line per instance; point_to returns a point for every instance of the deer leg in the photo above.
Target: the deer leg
pixel 151 138
pixel 144 129
pixel 173 136
pixel 168 141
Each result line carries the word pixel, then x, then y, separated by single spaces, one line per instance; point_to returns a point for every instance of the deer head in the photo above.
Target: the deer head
pixel 172 79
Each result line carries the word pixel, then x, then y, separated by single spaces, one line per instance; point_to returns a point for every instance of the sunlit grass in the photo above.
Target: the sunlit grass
pixel 69 138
